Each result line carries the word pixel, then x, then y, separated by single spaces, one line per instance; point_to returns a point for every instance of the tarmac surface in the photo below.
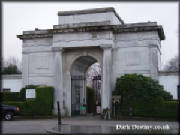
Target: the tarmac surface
pixel 49 125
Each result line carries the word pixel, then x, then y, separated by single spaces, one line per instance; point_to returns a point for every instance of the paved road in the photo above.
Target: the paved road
pixel 41 126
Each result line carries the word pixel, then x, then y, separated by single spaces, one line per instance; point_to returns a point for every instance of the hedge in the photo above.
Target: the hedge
pixel 91 100
pixel 41 105
pixel 145 109
pixel 10 96
pixel 169 109
pixel 44 100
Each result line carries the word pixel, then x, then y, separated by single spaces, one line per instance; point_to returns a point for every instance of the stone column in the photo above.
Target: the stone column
pixel 106 93
pixel 58 78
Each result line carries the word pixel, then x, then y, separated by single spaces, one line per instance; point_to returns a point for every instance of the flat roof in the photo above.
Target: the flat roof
pixel 90 11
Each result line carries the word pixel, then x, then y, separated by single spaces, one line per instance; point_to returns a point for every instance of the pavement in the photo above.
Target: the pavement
pixel 41 126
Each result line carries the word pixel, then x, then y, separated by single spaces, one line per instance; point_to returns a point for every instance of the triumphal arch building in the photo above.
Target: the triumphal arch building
pixel 59 55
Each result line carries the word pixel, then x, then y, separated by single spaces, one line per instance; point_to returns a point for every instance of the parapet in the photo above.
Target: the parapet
pixel 96 15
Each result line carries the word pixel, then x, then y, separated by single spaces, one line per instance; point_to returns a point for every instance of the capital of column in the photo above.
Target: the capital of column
pixel 153 45
pixel 25 52
pixel 106 46
pixel 57 49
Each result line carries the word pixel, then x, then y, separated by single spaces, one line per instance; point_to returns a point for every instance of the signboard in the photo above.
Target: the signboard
pixel 30 93
pixel 82 108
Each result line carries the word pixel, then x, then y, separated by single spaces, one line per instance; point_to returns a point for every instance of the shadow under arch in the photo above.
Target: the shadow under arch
pixel 81 64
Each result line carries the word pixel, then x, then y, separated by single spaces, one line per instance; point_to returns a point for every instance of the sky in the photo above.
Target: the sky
pixel 24 16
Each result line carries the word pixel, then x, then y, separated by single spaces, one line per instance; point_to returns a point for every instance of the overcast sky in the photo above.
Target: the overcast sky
pixel 19 16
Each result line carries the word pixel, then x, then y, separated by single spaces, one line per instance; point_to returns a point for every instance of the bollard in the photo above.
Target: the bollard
pixel 59 113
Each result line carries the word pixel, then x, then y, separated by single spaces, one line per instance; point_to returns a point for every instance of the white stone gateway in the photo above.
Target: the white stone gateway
pixel 56 56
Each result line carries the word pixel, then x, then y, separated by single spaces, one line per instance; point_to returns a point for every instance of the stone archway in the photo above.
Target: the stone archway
pixel 64 59
pixel 75 63
pixel 120 49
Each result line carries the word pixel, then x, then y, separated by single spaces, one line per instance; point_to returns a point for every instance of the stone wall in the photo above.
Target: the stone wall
pixel 38 62
pixel 12 82
pixel 136 53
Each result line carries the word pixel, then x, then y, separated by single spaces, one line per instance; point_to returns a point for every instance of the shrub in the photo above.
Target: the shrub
pixel 41 105
pixel 90 100
pixel 143 94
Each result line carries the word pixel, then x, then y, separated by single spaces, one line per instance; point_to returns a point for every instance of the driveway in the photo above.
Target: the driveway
pixel 40 126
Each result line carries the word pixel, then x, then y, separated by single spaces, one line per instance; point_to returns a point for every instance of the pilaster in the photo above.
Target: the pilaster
pixel 58 93
pixel 106 93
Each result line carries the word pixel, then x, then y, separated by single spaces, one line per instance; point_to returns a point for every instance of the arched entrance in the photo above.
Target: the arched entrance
pixel 78 83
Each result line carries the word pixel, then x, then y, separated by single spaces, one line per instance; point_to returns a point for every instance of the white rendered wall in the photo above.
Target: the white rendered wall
pixel 170 83
pixel 14 84
pixel 38 62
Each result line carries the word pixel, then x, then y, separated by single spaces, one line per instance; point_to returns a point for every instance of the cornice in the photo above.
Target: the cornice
pixel 136 27
pixel 32 36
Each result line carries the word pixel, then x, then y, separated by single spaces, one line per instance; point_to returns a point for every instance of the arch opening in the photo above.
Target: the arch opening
pixel 81 75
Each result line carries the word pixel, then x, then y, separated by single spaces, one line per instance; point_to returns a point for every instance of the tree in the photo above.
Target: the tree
pixel 139 87
pixel 172 65
pixel 140 92
pixel 93 70
pixel 11 66
pixel 11 69
pixel 91 101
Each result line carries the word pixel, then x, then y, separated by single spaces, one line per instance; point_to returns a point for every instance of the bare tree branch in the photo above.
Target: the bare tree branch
pixel 93 70
pixel 172 65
